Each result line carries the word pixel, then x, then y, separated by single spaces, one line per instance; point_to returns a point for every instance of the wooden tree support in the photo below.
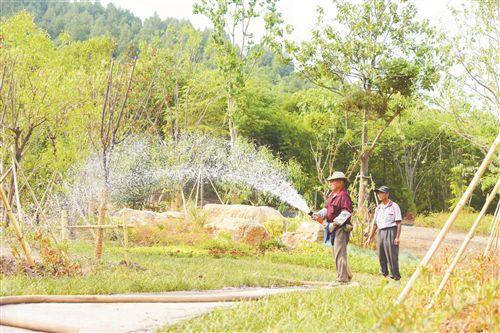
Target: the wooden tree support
pixel 100 221
pixel 125 239
pixel 493 234
pixel 24 245
pixel 64 225
pixel 451 219
pixel 216 192
pixel 465 243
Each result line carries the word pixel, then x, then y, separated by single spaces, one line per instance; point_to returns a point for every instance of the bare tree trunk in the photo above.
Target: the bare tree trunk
pixel 363 173
pixel 101 221
pixel 232 128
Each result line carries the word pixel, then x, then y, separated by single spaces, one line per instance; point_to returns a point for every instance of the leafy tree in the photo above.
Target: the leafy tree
pixel 235 54
pixel 376 55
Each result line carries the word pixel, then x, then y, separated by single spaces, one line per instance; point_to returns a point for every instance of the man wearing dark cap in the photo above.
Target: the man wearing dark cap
pixel 387 219
pixel 337 213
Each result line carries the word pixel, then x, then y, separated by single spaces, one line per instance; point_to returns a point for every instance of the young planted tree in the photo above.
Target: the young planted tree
pixel 118 119
pixel 234 45
pixel 471 88
pixel 375 55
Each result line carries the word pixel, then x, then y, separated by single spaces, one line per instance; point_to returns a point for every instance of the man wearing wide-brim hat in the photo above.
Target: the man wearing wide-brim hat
pixel 337 212
pixel 387 219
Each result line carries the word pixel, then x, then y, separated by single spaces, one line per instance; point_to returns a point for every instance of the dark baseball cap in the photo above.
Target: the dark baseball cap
pixel 383 189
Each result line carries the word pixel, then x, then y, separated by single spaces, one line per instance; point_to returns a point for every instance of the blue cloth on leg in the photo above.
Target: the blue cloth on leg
pixel 328 236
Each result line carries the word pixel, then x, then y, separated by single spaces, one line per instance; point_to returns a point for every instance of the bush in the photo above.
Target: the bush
pixel 223 245
pixel 173 232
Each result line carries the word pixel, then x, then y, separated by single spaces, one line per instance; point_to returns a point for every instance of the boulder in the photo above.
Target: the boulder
pixel 241 229
pixel 310 232
pixel 144 217
pixel 260 214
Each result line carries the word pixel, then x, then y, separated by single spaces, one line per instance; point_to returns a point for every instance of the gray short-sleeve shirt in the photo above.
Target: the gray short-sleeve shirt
pixel 386 215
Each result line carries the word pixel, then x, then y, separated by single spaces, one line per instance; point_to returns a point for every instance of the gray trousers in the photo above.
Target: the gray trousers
pixel 388 253
pixel 344 274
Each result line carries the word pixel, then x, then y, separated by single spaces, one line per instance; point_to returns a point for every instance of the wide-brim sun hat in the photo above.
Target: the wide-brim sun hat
pixel 337 175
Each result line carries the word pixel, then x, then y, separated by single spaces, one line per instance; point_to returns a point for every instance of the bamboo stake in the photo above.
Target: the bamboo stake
pixel 64 225
pixel 217 193
pixel 5 174
pixel 39 208
pixel 24 245
pixel 451 219
pixel 201 190
pixel 100 226
pixel 197 189
pixel 493 232
pixel 466 241
pixel 183 201
pixel 125 239
pixel 16 192
pixel 80 211
pixel 101 221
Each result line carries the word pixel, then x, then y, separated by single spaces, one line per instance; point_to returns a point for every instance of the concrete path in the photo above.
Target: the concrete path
pixel 126 317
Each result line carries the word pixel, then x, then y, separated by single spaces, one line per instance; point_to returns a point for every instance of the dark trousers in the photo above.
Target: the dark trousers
pixel 388 253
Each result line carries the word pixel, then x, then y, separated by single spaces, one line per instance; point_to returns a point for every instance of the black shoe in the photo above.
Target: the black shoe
pixel 395 278
pixel 384 275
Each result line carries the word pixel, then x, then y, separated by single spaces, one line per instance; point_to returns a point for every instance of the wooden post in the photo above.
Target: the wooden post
pixel 451 219
pixel 24 245
pixel 16 191
pixel 493 233
pixel 125 239
pixel 466 241
pixel 201 191
pixel 198 181
pixel 183 201
pixel 217 193
pixel 64 225
pixel 101 221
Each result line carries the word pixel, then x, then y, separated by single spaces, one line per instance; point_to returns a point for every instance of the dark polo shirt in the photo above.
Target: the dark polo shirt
pixel 336 203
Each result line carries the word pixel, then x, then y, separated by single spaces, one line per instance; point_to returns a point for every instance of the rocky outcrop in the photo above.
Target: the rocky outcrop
pixel 260 214
pixel 241 229
pixel 310 232
pixel 144 217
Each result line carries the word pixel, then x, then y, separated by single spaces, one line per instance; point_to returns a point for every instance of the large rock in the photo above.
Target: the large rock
pixel 261 214
pixel 310 232
pixel 241 229
pixel 144 217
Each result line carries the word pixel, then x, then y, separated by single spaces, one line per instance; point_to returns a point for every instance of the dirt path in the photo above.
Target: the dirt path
pixel 417 240
pixel 127 317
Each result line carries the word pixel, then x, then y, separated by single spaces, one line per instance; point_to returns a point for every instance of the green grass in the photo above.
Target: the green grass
pixel 353 309
pixel 472 306
pixel 190 268
pixel 469 303
pixel 463 222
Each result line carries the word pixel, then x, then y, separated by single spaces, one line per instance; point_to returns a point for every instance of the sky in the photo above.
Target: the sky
pixel 301 14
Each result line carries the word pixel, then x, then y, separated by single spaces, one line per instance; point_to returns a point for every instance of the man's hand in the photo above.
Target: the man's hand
pixel 396 241
pixel 368 241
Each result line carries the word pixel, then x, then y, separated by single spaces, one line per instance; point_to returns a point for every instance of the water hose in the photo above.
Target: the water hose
pixel 58 328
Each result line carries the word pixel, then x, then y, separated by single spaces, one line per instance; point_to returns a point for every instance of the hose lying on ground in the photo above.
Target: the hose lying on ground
pixel 57 328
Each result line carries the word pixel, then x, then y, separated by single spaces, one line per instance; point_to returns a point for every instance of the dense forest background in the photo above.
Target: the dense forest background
pixel 55 57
